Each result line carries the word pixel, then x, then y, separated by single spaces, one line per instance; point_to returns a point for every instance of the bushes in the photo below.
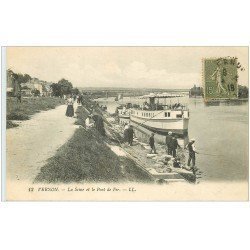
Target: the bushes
pixel 29 106
pixel 10 124
pixel 17 116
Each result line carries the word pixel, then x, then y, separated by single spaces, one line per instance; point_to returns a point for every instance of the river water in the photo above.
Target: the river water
pixel 221 134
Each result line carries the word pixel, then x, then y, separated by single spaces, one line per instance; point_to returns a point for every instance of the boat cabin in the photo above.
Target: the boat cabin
pixel 154 109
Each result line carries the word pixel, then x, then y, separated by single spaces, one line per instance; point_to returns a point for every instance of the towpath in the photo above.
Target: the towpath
pixel 36 140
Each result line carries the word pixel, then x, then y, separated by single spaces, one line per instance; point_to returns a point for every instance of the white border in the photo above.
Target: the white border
pixel 3 123
pixel 137 225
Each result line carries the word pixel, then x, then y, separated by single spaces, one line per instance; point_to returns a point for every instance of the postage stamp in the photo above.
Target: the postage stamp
pixel 220 78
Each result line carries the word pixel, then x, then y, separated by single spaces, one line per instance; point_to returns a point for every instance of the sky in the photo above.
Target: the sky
pixel 132 67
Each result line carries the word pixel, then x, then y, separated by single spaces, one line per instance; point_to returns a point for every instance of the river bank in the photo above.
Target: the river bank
pixel 90 157
pixel 160 166
pixel 17 111
pixel 223 155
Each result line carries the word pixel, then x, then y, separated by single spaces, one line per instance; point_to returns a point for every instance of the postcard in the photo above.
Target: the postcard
pixel 125 123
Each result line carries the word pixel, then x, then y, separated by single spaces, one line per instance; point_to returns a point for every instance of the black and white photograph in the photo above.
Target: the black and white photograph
pixel 126 123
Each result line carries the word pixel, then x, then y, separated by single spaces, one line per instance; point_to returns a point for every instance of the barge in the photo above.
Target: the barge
pixel 161 118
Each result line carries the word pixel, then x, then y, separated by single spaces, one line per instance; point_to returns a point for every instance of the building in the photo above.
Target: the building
pixel 196 91
pixel 47 90
pixel 26 92
pixel 13 87
pixel 27 88
pixel 43 87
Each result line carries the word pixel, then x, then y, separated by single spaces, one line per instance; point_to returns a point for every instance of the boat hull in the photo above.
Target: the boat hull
pixel 160 126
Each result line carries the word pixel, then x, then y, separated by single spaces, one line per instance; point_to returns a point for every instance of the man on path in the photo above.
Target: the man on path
pixel 130 135
pixel 78 99
pixel 169 143
pixel 192 151
pixel 152 143
pixel 99 124
pixel 174 145
pixel 125 133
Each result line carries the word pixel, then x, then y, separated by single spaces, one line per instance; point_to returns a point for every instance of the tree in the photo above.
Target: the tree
pixel 22 78
pixel 26 78
pixel 66 86
pixel 25 87
pixel 242 91
pixel 75 91
pixel 56 89
pixel 18 77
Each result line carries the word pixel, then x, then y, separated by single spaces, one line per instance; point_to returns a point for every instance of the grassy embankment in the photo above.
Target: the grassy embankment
pixel 87 158
pixel 29 106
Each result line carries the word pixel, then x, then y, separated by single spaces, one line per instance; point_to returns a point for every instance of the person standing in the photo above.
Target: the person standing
pixel 17 91
pixel 81 99
pixel 152 143
pixel 130 135
pixel 78 99
pixel 169 142
pixel 19 97
pixel 99 124
pixel 89 123
pixel 192 151
pixel 70 108
pixel 126 133
pixel 174 146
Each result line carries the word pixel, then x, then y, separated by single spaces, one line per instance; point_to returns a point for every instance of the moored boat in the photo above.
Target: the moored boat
pixel 123 112
pixel 161 118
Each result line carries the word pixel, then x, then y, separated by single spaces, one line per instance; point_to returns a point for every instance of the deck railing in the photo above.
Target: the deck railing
pixel 163 107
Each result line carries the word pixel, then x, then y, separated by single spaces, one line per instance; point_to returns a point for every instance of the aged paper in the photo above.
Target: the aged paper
pixel 126 123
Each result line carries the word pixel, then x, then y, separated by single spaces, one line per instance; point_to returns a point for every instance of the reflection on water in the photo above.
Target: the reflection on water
pixel 221 133
pixel 226 103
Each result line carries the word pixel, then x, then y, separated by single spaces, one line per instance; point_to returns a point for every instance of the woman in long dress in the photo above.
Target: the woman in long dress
pixel 70 108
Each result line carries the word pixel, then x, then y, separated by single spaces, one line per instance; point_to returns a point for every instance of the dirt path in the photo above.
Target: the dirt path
pixel 36 140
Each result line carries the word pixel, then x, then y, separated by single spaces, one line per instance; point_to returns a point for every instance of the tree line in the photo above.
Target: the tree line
pixel 198 91
pixel 19 78
pixel 62 87
pixel 242 91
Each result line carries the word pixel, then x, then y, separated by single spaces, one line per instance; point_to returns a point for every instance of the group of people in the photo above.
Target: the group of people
pixel 176 106
pixel 129 134
pixel 95 121
pixel 92 121
pixel 172 145
pixel 152 106
pixel 79 99
pixel 157 106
